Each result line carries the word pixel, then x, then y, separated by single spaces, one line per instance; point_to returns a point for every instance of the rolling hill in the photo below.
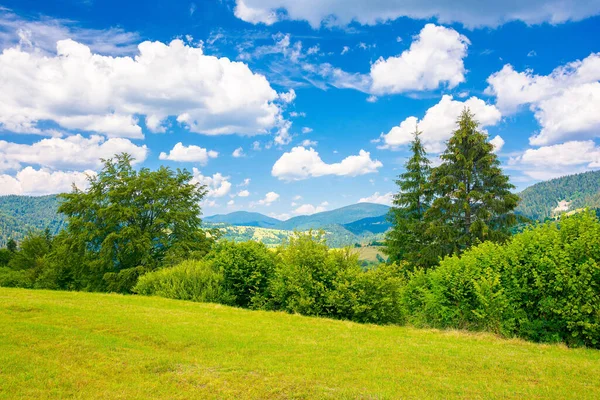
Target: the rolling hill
pixel 244 218
pixel 339 216
pixel 103 346
pixel 20 214
pixel 546 199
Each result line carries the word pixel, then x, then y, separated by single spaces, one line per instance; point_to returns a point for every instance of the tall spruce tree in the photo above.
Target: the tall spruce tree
pixel 473 200
pixel 406 240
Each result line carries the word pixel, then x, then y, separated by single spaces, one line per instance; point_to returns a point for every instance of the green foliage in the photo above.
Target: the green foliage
pixel 307 274
pixel 543 285
pixel 581 190
pixel 130 221
pixel 21 214
pixel 473 200
pixel 5 257
pixel 246 268
pixel 191 280
pixel 11 278
pixel 406 240
pixel 371 296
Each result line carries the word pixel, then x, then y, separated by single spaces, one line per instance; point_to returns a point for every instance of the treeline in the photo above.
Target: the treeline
pixel 581 190
pixel 20 214
pixel 454 260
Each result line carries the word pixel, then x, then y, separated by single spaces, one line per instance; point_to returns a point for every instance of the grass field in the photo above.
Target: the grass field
pixel 81 345
pixel 369 253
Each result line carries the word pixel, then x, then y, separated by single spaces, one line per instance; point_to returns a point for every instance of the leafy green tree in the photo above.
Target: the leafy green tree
pixel 406 239
pixel 11 245
pixel 473 200
pixel 129 222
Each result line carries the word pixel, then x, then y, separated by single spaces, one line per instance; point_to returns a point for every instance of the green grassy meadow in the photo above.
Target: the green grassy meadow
pixel 82 345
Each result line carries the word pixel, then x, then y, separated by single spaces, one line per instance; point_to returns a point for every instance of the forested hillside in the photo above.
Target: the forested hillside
pixel 19 214
pixel 542 200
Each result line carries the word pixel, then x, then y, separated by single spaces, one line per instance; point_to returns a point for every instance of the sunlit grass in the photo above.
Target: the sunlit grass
pixel 81 345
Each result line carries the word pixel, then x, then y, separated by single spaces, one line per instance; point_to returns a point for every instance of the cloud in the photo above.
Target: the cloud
pixel 245 182
pixel 498 143
pixel 270 198
pixel 32 182
pixel 439 122
pixel 306 129
pixel 341 13
pixel 301 163
pixel 435 57
pixel 237 153
pixel 308 143
pixel 385 198
pixel 565 103
pixel 73 152
pixel 188 154
pixel 78 89
pixel 217 185
pixel 549 162
pixel 43 32
pixel 308 209
pixel 288 97
pixel 243 193
pixel 345 49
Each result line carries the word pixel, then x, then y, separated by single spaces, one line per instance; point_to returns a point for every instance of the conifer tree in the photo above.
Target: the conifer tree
pixel 406 239
pixel 473 199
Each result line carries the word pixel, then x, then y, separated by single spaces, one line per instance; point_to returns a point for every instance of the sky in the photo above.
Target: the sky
pixel 289 107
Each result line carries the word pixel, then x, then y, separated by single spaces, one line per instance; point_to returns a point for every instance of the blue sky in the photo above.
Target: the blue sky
pixel 286 107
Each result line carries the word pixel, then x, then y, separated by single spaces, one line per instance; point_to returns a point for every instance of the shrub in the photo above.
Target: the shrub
pixel 11 278
pixel 543 285
pixel 370 296
pixel 306 274
pixel 246 268
pixel 191 280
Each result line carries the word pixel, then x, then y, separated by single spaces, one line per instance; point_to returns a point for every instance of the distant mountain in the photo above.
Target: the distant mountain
pixel 244 218
pixel 341 216
pixel 20 214
pixel 547 199
pixel 370 224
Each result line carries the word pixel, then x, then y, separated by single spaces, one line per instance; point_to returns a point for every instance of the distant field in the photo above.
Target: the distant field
pixel 369 253
pixel 80 345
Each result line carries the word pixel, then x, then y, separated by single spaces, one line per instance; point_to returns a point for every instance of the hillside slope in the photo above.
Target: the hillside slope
pixel 339 216
pixel 244 218
pixel 19 214
pixel 85 345
pixel 543 200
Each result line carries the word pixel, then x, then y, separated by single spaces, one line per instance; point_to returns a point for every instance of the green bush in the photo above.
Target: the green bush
pixel 191 280
pixel 543 285
pixel 305 278
pixel 11 278
pixel 370 296
pixel 246 268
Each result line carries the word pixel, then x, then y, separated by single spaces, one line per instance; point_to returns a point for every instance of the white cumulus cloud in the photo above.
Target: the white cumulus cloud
pixel 188 154
pixel 549 162
pixel 383 198
pixel 82 90
pixel 217 184
pixel 308 209
pixel 435 57
pixel 301 163
pixel 565 102
pixel 439 122
pixel 36 182
pixel 270 198
pixel 73 152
